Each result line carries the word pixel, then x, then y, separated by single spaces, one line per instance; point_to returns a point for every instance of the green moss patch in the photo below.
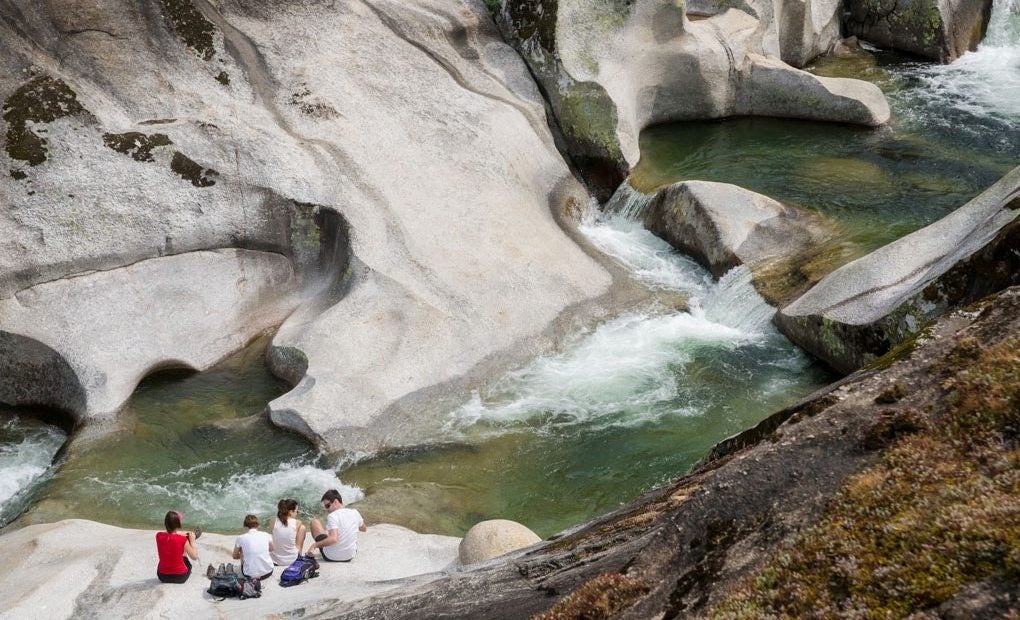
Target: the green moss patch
pixel 191 26
pixel 136 144
pixel 603 597
pixel 188 170
pixel 40 100
pixel 940 512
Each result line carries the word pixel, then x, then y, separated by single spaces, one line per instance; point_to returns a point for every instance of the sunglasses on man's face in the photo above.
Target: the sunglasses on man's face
pixel 327 504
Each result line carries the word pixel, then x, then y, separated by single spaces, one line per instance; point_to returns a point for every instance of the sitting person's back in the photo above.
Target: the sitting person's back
pixel 288 533
pixel 338 539
pixel 174 550
pixel 253 549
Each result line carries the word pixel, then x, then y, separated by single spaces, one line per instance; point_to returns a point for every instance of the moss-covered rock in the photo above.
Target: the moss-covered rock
pixel 42 99
pixel 938 30
pixel 585 114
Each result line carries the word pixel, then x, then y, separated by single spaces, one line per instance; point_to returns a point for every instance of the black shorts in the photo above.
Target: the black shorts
pixel 322 551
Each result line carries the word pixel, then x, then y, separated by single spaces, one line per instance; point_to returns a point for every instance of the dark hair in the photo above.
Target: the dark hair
pixel 251 521
pixel 331 495
pixel 283 508
pixel 172 521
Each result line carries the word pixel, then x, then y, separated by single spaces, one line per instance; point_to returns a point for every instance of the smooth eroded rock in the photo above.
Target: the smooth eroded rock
pixel 863 309
pixel 941 30
pixel 493 538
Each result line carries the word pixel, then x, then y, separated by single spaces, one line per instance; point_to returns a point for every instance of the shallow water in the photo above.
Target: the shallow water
pixel 955 131
pixel 193 442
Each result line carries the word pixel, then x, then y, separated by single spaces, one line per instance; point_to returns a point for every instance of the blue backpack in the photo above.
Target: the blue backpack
pixel 302 569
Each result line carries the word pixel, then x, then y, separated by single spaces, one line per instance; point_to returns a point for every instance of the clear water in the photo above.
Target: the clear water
pixel 623 408
pixel 955 131
pixel 193 442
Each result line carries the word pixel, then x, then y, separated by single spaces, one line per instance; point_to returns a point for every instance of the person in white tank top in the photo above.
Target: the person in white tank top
pixel 288 533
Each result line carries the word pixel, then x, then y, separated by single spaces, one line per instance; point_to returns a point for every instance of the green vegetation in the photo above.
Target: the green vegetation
pixel 191 26
pixel 939 512
pixel 493 5
pixel 40 100
pixel 602 597
pixel 191 171
pixel 136 144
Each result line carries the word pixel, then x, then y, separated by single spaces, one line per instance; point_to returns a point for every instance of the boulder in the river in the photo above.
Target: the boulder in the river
pixel 611 69
pixel 866 307
pixel 938 29
pixel 493 538
pixel 723 225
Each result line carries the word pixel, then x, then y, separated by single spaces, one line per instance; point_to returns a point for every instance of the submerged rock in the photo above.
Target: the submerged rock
pixel 865 308
pixel 490 539
pixel 939 30
pixel 722 226
pixel 611 69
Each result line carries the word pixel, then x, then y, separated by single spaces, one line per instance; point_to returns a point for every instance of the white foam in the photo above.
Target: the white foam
pixel 26 461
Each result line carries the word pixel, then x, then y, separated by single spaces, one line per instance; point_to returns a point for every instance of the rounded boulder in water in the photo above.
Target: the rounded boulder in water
pixel 490 539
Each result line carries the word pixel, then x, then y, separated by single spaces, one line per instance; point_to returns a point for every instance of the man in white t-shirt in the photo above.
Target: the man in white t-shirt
pixel 338 540
pixel 253 548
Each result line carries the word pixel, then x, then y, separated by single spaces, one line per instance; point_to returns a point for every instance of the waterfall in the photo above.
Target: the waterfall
pixel 629 203
pixel 26 456
pixel 984 83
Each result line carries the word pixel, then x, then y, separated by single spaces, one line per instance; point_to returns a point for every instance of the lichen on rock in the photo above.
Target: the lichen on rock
pixel 136 144
pixel 191 26
pixel 42 99
pixel 191 171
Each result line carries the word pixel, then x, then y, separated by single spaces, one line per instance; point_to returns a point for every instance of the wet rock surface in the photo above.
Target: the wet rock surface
pixel 938 30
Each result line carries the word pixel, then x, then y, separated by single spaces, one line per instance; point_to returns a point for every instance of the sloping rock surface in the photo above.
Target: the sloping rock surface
pixel 395 154
pixel 861 310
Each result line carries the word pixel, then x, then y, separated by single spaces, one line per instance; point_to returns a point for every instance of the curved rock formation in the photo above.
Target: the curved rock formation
pixel 863 309
pixel 612 69
pixel 490 539
pixel 380 172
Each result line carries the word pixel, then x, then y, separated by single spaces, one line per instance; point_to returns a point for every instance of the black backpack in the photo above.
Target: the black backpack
pixel 302 569
pixel 226 582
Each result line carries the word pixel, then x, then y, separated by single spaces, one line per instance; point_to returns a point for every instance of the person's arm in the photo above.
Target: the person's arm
pixel 190 547
pixel 299 536
pixel 272 547
pixel 330 539
pixel 237 553
pixel 362 527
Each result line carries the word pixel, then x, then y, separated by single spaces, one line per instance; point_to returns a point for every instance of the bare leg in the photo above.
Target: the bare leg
pixel 316 528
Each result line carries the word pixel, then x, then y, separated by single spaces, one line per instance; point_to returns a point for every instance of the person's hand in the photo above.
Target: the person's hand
pixel 191 537
pixel 311 552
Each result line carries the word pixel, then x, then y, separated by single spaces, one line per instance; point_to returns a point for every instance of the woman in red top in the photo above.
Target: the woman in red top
pixel 174 549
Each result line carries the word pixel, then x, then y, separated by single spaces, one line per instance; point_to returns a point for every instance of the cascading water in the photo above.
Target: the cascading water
pixel 984 83
pixel 26 462
pixel 623 407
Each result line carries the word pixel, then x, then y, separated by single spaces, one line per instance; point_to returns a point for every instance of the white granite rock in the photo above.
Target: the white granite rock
pixel 100 571
pixel 490 539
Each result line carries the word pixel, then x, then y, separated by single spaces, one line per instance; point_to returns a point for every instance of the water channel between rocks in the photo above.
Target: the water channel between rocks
pixel 623 406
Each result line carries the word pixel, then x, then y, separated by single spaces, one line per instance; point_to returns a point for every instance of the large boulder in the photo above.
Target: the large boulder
pixel 863 309
pixel 610 69
pixel 490 539
pixel 722 226
pixel 938 29
pixel 378 176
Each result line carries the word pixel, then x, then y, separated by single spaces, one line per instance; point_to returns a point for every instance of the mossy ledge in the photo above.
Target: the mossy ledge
pixel 136 144
pixel 42 99
pixel 189 170
pixel 940 512
pixel 191 26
